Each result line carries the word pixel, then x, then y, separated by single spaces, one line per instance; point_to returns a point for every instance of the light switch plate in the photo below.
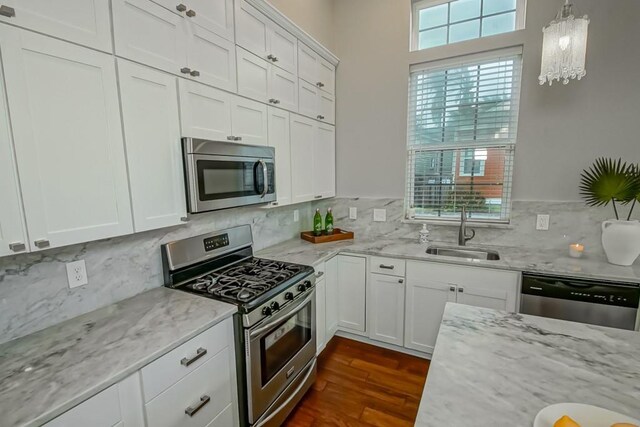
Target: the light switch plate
pixel 353 213
pixel 296 215
pixel 379 215
pixel 542 222
pixel 77 274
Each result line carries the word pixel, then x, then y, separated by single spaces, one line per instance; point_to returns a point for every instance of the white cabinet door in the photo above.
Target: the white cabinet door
pixel 386 309
pixel 205 112
pixel 425 302
pixel 308 99
pixel 352 279
pixel 249 121
pixel 283 89
pixel 253 76
pixel 327 108
pixel 279 138
pixel 213 15
pixel 324 161
pixel 484 296
pixel 307 64
pixel 152 137
pixel 162 43
pixel 302 145
pixel 331 281
pixel 252 29
pixel 321 316
pixel 211 59
pixel 326 76
pixel 65 116
pixel 13 234
pixel 283 48
pixel 85 22
pixel 102 410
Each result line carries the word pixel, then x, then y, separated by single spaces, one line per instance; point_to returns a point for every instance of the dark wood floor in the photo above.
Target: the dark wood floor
pixel 362 385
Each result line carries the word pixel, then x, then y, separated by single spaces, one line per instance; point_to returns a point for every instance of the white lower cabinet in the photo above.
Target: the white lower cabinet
pixel 332 297
pixel 352 278
pixel 385 309
pixel 431 285
pixel 321 315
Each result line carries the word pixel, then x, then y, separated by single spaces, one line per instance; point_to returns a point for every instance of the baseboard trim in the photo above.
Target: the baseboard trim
pixel 366 340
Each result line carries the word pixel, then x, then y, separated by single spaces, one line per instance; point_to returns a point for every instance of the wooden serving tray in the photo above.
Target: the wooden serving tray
pixel 337 235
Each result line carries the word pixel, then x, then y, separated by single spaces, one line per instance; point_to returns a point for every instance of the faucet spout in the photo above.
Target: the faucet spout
pixel 463 237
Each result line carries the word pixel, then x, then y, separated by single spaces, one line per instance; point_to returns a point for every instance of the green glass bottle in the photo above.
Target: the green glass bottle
pixel 317 223
pixel 328 222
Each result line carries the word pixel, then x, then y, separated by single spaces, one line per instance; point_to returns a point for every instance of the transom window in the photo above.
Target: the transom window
pixel 441 22
pixel 462 129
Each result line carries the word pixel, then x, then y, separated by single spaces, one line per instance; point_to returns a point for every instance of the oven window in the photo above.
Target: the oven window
pixel 231 179
pixel 284 342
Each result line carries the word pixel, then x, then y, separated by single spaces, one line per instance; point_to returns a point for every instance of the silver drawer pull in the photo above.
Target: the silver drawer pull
pixel 181 7
pixel 237 138
pixel 185 70
pixel 319 274
pixel 320 117
pixel 191 13
pixel 192 410
pixel 184 219
pixel 231 138
pixel 274 101
pixel 400 280
pixel 272 58
pixel 42 243
pixel 7 11
pixel 387 267
pixel 17 246
pixel 199 353
pixel 195 73
pixel 320 84
pixel 452 288
pixel 460 290
pixel 318 197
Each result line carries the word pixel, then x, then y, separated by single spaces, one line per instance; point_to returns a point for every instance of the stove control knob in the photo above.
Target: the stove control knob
pixel 266 311
pixel 275 306
pixel 288 296
pixel 302 287
pixel 308 284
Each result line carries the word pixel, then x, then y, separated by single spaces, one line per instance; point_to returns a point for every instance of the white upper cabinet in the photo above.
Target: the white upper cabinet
pixel 13 234
pixel 249 121
pixel 279 138
pixel 85 22
pixel 150 34
pixel 211 59
pixel 326 108
pixel 65 116
pixel 283 89
pixel 253 76
pixel 152 137
pixel 213 15
pixel 264 38
pixel 315 70
pixel 205 112
pixel 324 161
pixel 326 76
pixel 315 103
pixel 302 146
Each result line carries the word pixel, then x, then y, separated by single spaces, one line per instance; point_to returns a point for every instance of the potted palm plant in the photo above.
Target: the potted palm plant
pixel 616 182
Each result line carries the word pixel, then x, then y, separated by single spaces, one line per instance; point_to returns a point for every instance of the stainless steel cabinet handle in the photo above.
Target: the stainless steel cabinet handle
pixel 192 410
pixel 181 7
pixel 460 290
pixel 7 11
pixel 387 267
pixel 401 281
pixel 231 138
pixel 191 13
pixel 320 117
pixel 17 246
pixel 272 58
pixel 199 353
pixel 318 197
pixel 184 219
pixel 185 70
pixel 237 138
pixel 42 243
pixel 452 288
pixel 195 73
pixel 320 84
pixel 319 274
pixel 274 101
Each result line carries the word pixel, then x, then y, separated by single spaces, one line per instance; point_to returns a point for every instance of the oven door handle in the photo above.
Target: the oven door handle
pixel 265 173
pixel 271 324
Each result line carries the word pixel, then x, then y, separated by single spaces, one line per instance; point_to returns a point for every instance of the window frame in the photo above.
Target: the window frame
pixel 417 6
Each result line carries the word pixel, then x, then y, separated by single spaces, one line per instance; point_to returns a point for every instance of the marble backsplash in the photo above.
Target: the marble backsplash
pixel 34 292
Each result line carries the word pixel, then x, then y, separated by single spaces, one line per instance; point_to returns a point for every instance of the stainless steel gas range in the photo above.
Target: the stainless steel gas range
pixel 275 325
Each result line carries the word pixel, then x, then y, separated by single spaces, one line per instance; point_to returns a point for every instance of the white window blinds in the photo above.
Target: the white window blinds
pixel 462 130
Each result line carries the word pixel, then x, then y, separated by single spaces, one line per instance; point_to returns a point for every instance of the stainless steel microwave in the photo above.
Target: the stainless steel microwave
pixel 221 175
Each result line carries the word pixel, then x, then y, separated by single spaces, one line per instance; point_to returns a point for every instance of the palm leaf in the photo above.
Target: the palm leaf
pixel 633 172
pixel 606 181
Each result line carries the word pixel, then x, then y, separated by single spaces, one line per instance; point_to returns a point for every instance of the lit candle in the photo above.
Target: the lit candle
pixel 576 250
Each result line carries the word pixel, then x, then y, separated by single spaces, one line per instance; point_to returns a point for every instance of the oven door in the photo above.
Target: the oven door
pixel 220 182
pixel 277 352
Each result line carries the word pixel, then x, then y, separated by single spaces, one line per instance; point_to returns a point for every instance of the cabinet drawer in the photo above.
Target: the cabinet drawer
pixel 102 410
pixel 210 383
pixel 170 368
pixel 388 266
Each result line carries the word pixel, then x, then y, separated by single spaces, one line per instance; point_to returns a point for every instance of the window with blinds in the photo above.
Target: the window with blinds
pixel 462 128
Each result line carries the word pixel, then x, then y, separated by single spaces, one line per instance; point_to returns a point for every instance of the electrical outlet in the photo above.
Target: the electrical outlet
pixel 77 274
pixel 542 222
pixel 296 215
pixel 353 213
pixel 379 215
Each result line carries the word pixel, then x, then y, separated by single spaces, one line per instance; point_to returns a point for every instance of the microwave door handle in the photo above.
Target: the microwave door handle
pixel 265 173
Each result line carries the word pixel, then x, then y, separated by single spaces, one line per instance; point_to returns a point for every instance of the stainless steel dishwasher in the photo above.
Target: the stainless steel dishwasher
pixel 596 302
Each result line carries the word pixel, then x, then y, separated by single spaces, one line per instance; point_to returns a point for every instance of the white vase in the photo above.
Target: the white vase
pixel 621 241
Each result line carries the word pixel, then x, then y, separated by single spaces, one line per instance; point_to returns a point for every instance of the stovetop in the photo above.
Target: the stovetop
pixel 248 281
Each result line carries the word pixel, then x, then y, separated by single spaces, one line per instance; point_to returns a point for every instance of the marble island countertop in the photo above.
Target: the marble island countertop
pixel 491 368
pixel 48 372
pixel 552 262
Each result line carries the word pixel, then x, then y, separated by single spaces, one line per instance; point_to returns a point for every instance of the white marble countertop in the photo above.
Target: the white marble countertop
pixel 48 372
pixel 491 368
pixel 512 258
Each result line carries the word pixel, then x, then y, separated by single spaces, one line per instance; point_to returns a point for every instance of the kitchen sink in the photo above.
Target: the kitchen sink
pixel 468 253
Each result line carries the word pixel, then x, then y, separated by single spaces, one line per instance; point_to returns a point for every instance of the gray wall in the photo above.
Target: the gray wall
pixel 313 16
pixel 562 128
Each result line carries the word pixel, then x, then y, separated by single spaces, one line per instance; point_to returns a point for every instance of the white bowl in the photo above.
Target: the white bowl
pixel 585 415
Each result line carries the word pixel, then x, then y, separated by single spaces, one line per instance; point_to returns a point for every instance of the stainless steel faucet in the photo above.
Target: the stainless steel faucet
pixel 463 238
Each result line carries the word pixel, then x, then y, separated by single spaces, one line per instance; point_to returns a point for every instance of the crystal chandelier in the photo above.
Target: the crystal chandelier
pixel 564 48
